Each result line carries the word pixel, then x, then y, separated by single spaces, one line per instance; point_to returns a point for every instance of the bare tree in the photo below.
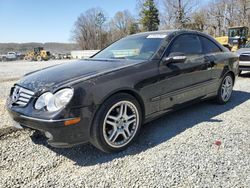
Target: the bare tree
pixel 92 30
pixel 88 30
pixel 121 21
pixel 198 21
pixel 223 14
pixel 177 14
pixel 244 10
pixel 122 24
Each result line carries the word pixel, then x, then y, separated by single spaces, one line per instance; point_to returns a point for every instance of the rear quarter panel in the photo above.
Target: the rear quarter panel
pixel 225 62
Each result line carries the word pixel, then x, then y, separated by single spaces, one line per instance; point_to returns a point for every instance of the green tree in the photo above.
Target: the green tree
pixel 133 28
pixel 149 16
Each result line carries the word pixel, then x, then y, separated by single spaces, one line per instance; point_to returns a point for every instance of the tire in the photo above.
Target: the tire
pixel 225 90
pixel 113 131
pixel 30 59
pixel 39 58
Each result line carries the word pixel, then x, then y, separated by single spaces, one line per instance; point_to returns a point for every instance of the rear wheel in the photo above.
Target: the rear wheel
pixel 117 123
pixel 39 58
pixel 225 90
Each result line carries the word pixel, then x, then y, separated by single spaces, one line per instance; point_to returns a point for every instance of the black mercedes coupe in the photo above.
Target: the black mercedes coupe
pixel 105 99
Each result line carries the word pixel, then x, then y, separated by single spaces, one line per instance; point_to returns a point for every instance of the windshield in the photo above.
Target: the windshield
pixel 237 32
pixel 135 47
pixel 247 45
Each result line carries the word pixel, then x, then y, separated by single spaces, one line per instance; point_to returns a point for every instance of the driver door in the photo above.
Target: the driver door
pixel 186 80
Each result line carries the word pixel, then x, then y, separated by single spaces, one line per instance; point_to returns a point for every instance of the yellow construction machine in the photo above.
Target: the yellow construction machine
pixel 237 37
pixel 38 54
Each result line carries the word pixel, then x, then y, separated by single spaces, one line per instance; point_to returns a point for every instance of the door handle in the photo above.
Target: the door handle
pixel 210 60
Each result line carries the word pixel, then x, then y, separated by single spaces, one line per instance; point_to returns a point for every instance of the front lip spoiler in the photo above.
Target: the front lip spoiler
pixel 46 120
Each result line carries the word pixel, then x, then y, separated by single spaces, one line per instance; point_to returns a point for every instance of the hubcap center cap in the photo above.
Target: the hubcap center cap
pixel 120 124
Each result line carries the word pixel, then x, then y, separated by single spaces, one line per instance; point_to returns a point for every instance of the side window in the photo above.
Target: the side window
pixel 209 46
pixel 187 44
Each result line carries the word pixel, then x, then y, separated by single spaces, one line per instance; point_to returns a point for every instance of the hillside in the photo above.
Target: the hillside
pixel 50 46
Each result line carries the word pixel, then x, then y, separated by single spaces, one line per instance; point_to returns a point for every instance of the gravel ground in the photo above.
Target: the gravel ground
pixel 177 150
pixel 13 70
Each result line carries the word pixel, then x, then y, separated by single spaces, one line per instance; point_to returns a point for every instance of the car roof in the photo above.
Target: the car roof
pixel 155 32
pixel 169 32
pixel 174 32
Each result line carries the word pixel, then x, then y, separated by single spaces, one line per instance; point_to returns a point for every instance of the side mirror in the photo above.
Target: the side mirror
pixel 175 58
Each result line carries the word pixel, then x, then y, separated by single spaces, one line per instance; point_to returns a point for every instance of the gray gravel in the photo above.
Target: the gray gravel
pixel 177 150
pixel 13 70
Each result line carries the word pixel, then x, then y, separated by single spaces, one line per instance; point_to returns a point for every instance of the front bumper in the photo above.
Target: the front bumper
pixel 61 135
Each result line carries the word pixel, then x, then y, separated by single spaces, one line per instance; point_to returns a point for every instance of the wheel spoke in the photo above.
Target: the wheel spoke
pixel 111 123
pixel 124 135
pixel 227 96
pixel 224 94
pixel 125 108
pixel 131 121
pixel 114 135
pixel 121 110
pixel 227 83
pixel 127 131
pixel 130 117
pixel 112 117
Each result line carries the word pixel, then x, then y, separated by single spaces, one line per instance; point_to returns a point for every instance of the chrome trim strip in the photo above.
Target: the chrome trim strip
pixel 21 103
pixel 23 90
pixel 182 90
pixel 45 120
pixel 23 99
pixel 25 95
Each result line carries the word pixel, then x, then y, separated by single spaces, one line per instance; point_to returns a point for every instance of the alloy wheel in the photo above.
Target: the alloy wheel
pixel 226 88
pixel 120 124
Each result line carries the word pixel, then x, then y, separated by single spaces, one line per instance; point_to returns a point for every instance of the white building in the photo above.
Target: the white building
pixel 83 54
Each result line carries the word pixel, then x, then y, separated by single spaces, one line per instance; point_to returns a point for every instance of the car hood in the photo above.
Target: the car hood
pixel 243 50
pixel 59 75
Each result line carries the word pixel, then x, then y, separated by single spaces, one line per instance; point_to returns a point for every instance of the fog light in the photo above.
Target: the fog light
pixel 48 135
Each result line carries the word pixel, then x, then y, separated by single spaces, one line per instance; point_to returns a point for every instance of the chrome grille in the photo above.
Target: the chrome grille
pixel 21 96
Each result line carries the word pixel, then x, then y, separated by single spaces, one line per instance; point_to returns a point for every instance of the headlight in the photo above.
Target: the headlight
pixel 59 100
pixel 43 100
pixel 54 102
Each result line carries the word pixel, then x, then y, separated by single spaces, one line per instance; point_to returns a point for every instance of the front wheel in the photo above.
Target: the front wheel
pixel 225 90
pixel 117 123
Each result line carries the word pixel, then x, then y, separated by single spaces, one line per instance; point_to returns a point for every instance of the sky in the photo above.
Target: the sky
pixel 49 20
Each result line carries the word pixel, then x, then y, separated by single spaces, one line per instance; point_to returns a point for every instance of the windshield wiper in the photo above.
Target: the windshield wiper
pixel 118 58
